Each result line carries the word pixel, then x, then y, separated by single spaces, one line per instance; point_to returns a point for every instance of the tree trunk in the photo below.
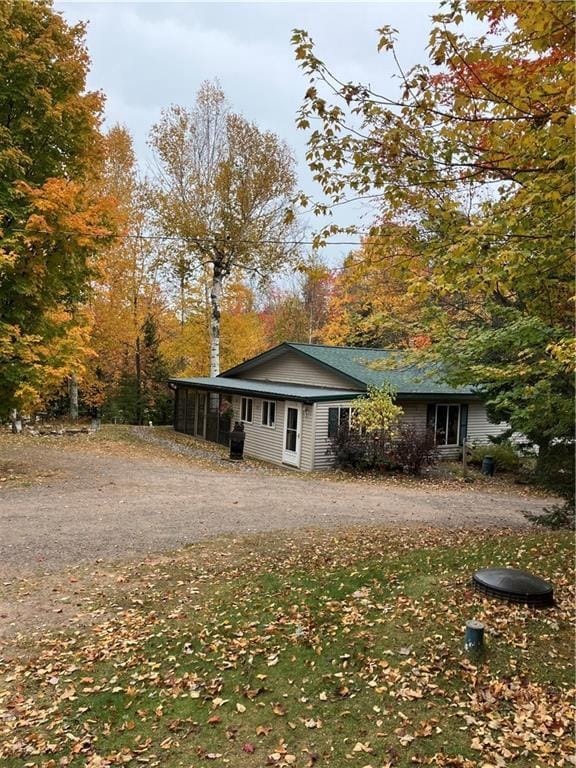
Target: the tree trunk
pixel 73 397
pixel 182 301
pixel 215 299
pixel 16 422
pixel 138 362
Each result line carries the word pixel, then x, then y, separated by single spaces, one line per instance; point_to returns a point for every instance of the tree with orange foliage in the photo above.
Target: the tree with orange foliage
pixel 299 312
pixel 127 307
pixel 474 156
pixel 51 223
pixel 371 304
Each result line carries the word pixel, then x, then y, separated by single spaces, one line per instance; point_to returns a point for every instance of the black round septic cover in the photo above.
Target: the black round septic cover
pixel 516 586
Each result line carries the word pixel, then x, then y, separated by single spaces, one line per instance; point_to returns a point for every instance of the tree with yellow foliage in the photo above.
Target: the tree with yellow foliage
pixel 187 347
pixel 371 304
pixel 128 310
pixel 222 189
pixel 51 224
pixel 474 156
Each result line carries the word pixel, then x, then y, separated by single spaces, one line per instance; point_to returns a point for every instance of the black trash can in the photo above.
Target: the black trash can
pixel 488 466
pixel 237 437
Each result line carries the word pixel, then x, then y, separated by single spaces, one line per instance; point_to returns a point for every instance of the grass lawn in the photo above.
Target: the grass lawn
pixel 318 649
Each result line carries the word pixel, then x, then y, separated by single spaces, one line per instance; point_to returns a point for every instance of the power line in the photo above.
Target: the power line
pixel 197 240
pixel 372 239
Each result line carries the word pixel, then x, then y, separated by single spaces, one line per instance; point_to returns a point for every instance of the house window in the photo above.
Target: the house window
pixel 268 413
pixel 246 410
pixel 447 425
pixel 338 417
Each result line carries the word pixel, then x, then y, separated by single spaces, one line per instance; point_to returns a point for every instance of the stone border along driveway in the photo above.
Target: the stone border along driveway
pixel 215 454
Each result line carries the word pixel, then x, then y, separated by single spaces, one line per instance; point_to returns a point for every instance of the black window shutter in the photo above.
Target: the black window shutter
pixel 332 421
pixel 430 416
pixel 463 423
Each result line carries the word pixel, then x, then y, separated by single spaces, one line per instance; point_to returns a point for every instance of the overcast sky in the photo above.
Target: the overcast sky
pixel 146 56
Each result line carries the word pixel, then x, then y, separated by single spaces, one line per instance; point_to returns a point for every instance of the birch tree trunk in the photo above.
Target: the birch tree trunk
pixel 16 422
pixel 73 397
pixel 182 302
pixel 223 188
pixel 215 300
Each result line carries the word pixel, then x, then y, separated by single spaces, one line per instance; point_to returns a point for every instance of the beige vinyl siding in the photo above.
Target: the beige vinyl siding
pixel 322 457
pixel 293 369
pixel 261 442
pixel 307 438
pixel 479 430
pixel 479 427
pixel 266 443
pixel 449 452
pixel 415 412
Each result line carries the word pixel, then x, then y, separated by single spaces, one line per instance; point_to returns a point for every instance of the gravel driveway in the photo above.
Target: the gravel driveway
pixel 109 504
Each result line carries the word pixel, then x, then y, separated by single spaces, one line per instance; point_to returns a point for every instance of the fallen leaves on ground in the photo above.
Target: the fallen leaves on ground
pixel 306 650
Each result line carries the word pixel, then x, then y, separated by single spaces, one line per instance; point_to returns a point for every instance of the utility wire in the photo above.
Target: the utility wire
pixel 389 257
pixel 183 240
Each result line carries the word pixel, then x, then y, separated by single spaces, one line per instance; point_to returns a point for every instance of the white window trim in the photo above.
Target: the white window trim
pixel 262 422
pixel 449 405
pixel 244 410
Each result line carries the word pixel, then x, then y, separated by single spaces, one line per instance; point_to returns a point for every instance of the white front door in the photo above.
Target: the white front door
pixel 292 431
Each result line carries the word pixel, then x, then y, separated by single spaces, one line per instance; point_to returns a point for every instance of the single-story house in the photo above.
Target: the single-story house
pixel 291 399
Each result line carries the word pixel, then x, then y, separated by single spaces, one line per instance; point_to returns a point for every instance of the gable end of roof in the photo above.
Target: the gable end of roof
pixel 288 346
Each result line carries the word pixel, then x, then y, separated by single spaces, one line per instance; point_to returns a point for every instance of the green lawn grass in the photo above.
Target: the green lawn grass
pixel 316 649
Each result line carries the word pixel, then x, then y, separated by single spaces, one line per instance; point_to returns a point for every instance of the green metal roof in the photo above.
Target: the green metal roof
pixel 272 389
pixel 356 365
pixel 357 362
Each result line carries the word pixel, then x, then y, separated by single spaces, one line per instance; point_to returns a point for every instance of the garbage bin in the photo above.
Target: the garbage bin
pixel 488 466
pixel 237 437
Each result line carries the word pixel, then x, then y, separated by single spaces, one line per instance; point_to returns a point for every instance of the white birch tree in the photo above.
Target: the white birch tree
pixel 222 187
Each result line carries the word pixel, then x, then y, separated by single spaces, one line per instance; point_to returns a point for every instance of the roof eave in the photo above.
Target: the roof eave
pixel 437 396
pixel 328 397
pixel 255 391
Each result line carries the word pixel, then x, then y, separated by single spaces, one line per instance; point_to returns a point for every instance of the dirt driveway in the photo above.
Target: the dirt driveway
pixel 107 502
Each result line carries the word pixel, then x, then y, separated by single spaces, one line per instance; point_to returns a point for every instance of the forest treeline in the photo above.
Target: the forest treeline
pixel 115 277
